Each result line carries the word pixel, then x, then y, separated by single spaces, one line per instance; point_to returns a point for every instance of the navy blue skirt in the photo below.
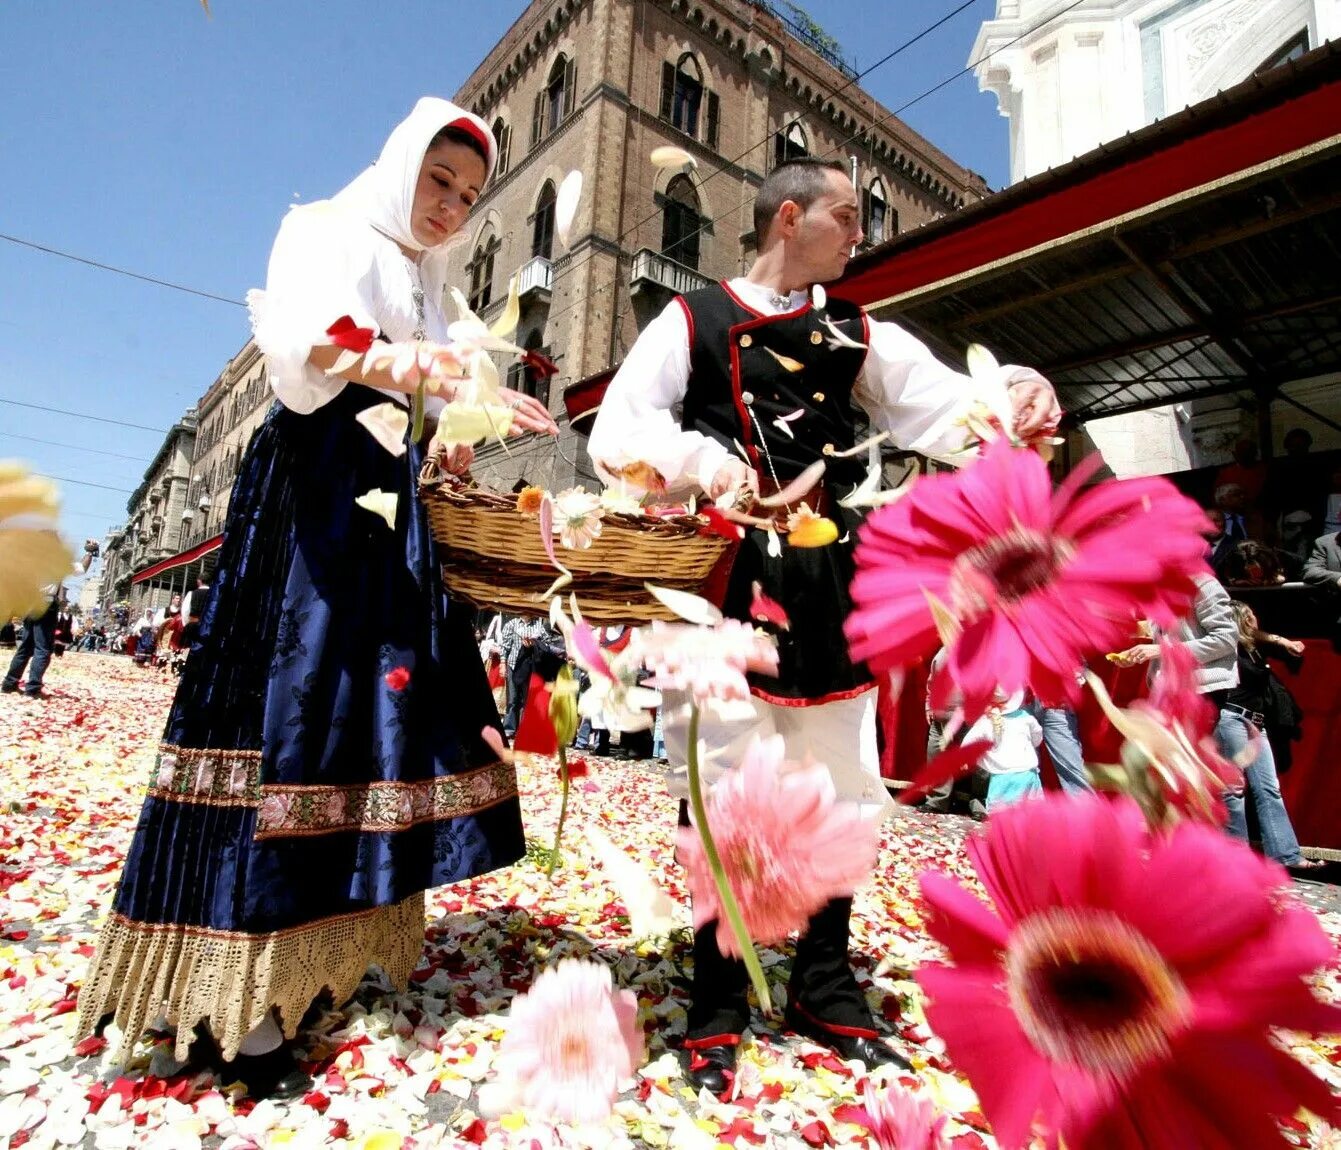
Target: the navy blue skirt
pixel 323 756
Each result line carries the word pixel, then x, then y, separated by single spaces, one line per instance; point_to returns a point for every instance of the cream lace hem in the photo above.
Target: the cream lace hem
pixel 230 980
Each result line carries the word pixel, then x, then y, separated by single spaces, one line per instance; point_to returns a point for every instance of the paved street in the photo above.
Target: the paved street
pixel 397 1070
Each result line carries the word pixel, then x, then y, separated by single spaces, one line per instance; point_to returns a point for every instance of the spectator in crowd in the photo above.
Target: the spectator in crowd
pixel 1253 564
pixel 1331 519
pixel 9 633
pixel 1248 473
pixel 1011 762
pixel 1061 736
pixel 39 636
pixel 518 638
pixel 1221 544
pixel 938 799
pixel 1296 540
pixel 1323 571
pixel 1261 692
pixel 1242 520
pixel 1211 635
pixel 1296 482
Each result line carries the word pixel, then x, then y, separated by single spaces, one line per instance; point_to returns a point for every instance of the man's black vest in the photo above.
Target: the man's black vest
pixel 742 380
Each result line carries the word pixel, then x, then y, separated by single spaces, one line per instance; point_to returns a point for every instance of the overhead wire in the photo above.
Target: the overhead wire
pixel 837 149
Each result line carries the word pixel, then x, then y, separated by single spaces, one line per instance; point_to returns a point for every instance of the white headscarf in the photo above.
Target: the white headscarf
pixel 383 194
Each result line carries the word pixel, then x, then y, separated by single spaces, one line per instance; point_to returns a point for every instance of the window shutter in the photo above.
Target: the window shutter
pixel 714 118
pixel 538 119
pixel 569 86
pixel 891 223
pixel 504 139
pixel 866 212
pixel 667 89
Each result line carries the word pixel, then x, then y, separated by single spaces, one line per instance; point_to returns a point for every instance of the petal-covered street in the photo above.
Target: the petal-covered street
pixel 399 1070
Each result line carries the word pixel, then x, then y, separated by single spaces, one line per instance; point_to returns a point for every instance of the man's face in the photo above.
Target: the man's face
pixel 1217 518
pixel 828 230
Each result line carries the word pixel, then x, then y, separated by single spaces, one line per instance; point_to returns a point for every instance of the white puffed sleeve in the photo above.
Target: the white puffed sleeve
pixel 909 393
pixel 635 423
pixel 322 267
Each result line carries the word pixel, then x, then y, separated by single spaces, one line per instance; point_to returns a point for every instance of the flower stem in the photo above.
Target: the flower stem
pixel 725 895
pixel 563 812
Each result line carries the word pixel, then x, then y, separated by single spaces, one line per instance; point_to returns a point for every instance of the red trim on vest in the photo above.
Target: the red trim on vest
pixel 712 1040
pixel 688 319
pixel 834 1027
pixel 794 701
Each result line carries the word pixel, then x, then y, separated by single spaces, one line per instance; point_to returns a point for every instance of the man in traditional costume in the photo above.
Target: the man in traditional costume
pixel 757 365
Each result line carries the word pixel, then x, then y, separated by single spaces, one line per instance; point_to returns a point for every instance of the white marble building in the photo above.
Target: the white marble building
pixel 1068 81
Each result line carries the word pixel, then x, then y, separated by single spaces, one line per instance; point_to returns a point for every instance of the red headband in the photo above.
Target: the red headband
pixel 472 129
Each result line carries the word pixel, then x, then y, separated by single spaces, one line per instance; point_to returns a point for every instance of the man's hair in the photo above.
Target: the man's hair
pixel 802 181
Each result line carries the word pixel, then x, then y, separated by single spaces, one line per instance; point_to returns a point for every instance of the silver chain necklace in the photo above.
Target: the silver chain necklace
pixel 417 296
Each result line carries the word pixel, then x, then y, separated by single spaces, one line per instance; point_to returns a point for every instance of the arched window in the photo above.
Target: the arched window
pixel 503 139
pixel 542 230
pixel 790 144
pixel 481 269
pixel 682 222
pixel 556 100
pixel 682 99
pixel 875 214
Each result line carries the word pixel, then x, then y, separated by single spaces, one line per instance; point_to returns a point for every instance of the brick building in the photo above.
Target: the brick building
pixel 596 85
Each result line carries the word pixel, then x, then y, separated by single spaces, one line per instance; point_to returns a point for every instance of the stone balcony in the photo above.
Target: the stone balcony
pixel 652 269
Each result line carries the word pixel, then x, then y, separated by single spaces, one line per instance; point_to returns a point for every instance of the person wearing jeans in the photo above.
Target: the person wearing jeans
pixel 1061 735
pixel 1234 733
pixel 1211 635
pixel 38 640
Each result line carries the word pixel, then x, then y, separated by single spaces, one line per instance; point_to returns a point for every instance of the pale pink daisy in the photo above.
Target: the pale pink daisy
pixel 1026 582
pixel 898 1119
pixel 787 846
pixel 709 662
pixel 1125 987
pixel 569 1043
pixel 577 518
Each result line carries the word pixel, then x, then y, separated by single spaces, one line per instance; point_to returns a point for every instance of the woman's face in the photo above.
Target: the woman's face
pixel 1250 620
pixel 449 184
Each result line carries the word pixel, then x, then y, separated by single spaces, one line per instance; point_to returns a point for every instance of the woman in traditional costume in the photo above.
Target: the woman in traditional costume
pixel 322 763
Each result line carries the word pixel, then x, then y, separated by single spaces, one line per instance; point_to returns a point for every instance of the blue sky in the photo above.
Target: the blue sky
pixel 147 136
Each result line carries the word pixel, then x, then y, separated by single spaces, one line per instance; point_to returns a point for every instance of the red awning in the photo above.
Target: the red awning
pixel 180 560
pixel 1208 142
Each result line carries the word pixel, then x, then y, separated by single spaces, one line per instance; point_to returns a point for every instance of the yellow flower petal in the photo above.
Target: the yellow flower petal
pixel 813 532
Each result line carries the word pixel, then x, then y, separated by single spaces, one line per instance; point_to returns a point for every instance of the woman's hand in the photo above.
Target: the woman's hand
pixel 528 413
pixel 733 475
pixel 454 459
pixel 1135 656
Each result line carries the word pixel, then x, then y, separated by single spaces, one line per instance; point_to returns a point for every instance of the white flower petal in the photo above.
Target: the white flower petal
pixel 669 156
pixel 691 608
pixel 387 423
pixel 565 205
pixel 381 503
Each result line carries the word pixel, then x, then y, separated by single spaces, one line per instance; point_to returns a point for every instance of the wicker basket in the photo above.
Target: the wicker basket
pixel 493 557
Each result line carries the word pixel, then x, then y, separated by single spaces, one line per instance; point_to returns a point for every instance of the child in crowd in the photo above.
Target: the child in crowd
pixel 1011 763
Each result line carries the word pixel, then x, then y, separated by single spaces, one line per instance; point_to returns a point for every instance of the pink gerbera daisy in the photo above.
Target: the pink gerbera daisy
pixel 1030 580
pixel 1125 991
pixel 569 1042
pixel 787 846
